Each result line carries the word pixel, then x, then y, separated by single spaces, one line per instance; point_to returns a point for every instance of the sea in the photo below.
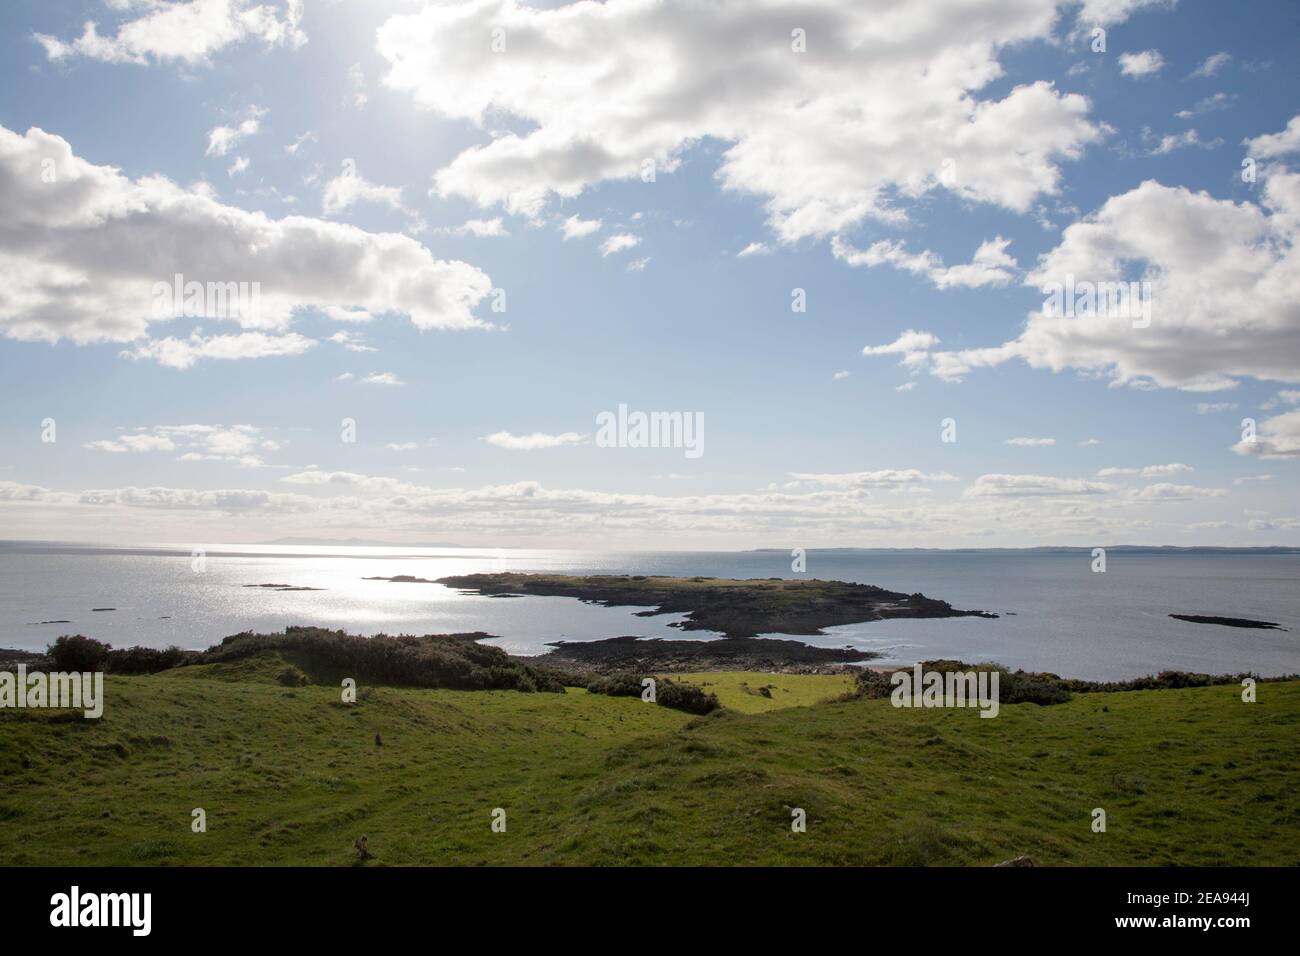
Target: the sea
pixel 1056 613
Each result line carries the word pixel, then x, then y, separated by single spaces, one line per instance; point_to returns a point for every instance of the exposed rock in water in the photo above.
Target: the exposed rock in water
pixel 401 579
pixel 1228 621
pixel 283 587
pixel 734 608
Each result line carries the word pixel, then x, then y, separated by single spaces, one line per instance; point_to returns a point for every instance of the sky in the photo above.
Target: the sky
pixel 434 246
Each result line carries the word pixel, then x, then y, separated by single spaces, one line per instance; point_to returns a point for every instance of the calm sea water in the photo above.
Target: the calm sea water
pixel 1057 614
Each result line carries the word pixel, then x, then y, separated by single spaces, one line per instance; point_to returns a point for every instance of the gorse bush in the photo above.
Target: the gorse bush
pixel 686 697
pixel 75 652
pixel 456 661
pixel 148 660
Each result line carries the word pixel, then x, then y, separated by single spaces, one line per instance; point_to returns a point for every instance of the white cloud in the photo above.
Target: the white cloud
pixel 349 188
pixel 1222 277
pixel 381 378
pixel 352 341
pixel 1089 442
pixel 1150 471
pixel 575 228
pixel 1273 145
pixel 1145 63
pixel 619 242
pixel 1212 64
pixel 357 86
pixel 826 138
pixel 236 443
pixel 307 137
pixel 188 32
pixel 838 376
pixel 1033 486
pixel 1164 491
pixel 1030 442
pixel 1209 104
pixel 912 345
pixel 238 166
pixel 1209 408
pixel 1247 479
pixel 402 446
pixel 754 249
pixel 532 442
pixel 81 255
pixel 1174 141
pixel 481 228
pixel 990 266
pixel 1276 437
pixel 183 353
pixel 638 265
pixel 222 139
pixel 1108 12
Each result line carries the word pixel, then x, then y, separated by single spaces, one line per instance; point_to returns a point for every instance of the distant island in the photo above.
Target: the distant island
pixel 734 608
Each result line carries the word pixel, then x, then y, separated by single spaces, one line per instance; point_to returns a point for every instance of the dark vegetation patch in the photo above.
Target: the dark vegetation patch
pixel 627 654
pixel 687 697
pixel 455 661
pixel 1020 687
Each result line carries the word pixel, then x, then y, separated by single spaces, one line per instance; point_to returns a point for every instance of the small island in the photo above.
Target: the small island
pixel 1228 621
pixel 734 608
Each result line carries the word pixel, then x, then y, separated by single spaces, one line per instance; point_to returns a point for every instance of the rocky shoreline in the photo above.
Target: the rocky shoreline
pixel 639 654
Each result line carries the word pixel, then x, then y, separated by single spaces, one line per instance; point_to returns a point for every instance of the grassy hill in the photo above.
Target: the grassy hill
pixel 291 775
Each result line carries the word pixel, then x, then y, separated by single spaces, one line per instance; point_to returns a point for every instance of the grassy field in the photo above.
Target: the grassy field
pixel 294 776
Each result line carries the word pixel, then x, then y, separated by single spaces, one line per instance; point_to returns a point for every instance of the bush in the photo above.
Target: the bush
pixel 686 697
pixel 456 661
pixel 292 677
pixel 148 660
pixel 74 652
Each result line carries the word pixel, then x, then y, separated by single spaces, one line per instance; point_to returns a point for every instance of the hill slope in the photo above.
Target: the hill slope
pixel 293 776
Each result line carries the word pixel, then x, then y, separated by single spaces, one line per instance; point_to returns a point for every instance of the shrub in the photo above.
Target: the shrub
pixel 292 677
pixel 686 697
pixel 74 652
pixel 147 660
pixel 456 661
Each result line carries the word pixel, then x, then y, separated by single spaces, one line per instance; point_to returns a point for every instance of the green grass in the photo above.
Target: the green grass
pixel 293 776
pixel 742 691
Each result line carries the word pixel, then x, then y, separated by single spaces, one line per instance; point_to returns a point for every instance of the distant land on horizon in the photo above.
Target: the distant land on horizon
pixel 17 544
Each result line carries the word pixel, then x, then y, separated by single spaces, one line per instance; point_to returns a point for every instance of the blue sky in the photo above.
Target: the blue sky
pixel 1064 159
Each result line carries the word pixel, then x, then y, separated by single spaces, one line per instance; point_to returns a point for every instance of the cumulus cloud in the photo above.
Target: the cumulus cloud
pixel 532 442
pixel 183 353
pixel 349 188
pixel 577 228
pixel 1277 437
pixel 480 228
pixel 1150 471
pixel 235 443
pixel 1273 145
pixel 82 249
pixel 1145 63
pixel 825 138
pixel 990 266
pixel 1034 485
pixel 187 32
pixel 619 243
pixel 1221 277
